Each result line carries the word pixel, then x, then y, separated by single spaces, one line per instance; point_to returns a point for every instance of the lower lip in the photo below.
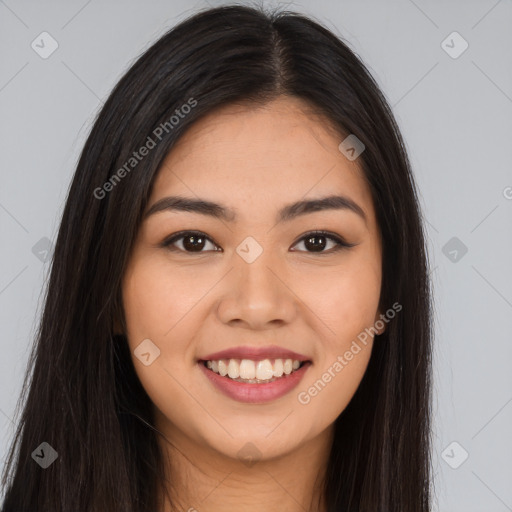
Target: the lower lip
pixel 256 393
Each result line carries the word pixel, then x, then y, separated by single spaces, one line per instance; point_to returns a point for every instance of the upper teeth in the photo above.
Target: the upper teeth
pixel 249 369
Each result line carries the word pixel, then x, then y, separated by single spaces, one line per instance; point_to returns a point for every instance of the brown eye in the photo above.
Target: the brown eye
pixel 191 241
pixel 197 242
pixel 316 243
pixel 319 240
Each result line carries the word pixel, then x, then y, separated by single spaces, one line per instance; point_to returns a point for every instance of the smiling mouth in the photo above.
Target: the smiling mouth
pixel 251 371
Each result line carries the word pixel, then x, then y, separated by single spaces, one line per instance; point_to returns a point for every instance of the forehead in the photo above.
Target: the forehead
pixel 261 156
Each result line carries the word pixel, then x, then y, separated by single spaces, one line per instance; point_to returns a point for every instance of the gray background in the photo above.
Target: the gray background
pixel 456 117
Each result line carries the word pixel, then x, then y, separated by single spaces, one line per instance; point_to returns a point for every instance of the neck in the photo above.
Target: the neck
pixel 198 478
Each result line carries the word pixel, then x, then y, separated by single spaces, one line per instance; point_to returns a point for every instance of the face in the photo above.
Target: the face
pixel 251 282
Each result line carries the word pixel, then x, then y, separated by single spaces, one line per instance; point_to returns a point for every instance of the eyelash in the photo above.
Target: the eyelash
pixel 340 243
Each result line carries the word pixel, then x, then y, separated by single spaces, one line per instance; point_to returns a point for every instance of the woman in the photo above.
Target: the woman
pixel 238 314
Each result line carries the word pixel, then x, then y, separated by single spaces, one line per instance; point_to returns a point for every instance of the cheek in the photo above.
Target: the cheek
pixel 345 299
pixel 159 306
pixel 331 387
pixel 156 301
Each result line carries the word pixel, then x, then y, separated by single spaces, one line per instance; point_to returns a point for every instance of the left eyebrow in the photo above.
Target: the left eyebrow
pixel 287 213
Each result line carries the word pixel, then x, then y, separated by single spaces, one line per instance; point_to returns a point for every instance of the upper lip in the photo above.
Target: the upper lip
pixel 255 353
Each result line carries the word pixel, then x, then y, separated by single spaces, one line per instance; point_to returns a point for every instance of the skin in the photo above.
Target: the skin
pixel 254 160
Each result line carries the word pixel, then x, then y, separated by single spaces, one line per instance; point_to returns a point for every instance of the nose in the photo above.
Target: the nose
pixel 257 295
